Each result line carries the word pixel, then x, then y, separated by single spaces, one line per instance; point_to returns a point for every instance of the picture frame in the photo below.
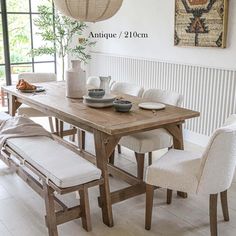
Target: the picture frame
pixel 201 23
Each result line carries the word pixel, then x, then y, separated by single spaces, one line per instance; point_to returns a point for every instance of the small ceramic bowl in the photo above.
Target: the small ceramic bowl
pixel 122 105
pixel 96 93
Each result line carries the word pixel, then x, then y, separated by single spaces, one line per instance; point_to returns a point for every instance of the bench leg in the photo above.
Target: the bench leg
pixel 50 210
pixel 85 209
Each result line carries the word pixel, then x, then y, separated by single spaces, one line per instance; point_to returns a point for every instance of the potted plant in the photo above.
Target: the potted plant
pixel 57 32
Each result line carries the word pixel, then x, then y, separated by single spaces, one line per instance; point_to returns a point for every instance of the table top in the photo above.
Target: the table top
pixel 55 103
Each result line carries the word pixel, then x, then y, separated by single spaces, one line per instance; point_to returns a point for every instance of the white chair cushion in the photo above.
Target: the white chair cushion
pixel 176 170
pixel 62 166
pixel 29 111
pixel 147 141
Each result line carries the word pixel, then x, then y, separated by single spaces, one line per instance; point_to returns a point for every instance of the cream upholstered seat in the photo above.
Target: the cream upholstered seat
pixel 147 142
pixel 208 173
pixel 127 88
pixel 176 170
pixel 62 166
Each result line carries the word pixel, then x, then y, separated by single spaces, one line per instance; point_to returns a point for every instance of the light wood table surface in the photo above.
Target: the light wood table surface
pixel 108 127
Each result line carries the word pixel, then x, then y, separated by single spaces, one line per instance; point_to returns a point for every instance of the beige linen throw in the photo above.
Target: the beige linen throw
pixel 16 127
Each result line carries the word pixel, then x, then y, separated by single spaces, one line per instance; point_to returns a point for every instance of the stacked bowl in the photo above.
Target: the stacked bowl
pixel 98 99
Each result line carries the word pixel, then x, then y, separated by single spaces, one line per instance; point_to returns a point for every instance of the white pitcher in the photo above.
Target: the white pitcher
pixel 105 83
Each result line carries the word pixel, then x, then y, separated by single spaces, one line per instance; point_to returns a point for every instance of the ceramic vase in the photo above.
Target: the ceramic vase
pixel 75 80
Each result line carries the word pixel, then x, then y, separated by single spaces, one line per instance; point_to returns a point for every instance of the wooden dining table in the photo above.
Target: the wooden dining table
pixel 107 126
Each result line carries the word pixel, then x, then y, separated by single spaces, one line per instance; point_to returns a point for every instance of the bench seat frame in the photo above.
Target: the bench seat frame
pixel 56 211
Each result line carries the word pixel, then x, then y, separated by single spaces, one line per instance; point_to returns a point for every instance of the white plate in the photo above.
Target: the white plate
pixel 106 98
pixel 152 106
pixel 98 105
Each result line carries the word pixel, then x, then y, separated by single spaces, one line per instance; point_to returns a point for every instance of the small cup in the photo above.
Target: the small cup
pixel 96 93
pixel 122 105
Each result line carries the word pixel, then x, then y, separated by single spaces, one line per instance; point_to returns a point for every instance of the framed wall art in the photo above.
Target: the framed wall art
pixel 201 23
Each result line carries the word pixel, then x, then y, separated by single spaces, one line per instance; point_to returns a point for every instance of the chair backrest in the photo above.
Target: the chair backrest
pixel 164 96
pixel 38 77
pixel 219 160
pixel 127 88
pixel 93 82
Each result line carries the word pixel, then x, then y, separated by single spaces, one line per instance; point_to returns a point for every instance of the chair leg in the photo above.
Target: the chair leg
pixel 213 214
pixel 81 139
pixel 57 126
pixel 61 128
pixel 224 204
pixel 112 158
pixel 119 148
pixel 149 206
pixel 140 164
pixel 73 135
pixel 50 210
pixel 169 196
pixel 85 209
pixel 51 124
pixel 149 158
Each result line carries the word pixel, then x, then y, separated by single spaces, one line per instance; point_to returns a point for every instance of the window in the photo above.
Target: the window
pixel 17 38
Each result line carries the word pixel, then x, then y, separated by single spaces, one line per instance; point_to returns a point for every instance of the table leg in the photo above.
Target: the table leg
pixel 177 132
pixel 13 104
pixel 104 147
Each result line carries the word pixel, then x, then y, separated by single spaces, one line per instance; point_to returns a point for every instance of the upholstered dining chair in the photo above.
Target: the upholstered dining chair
pixel 208 173
pixel 93 82
pixel 127 88
pixel 149 141
pixel 36 78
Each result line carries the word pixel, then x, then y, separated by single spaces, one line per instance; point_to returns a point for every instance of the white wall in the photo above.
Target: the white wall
pixel 156 17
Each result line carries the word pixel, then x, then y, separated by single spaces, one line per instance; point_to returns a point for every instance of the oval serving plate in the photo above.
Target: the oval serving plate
pixel 106 98
pixel 98 105
pixel 37 90
pixel 152 106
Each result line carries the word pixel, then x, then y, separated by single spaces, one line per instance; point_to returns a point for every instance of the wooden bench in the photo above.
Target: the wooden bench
pixel 48 167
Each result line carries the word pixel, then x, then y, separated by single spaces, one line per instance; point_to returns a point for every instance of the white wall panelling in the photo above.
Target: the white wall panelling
pixel 208 90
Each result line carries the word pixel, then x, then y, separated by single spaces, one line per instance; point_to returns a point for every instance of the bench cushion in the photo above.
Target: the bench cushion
pixel 4 116
pixel 59 164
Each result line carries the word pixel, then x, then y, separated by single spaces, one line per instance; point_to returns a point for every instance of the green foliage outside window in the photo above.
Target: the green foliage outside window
pixel 59 39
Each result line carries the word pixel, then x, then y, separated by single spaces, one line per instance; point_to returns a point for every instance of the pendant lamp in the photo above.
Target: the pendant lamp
pixel 88 10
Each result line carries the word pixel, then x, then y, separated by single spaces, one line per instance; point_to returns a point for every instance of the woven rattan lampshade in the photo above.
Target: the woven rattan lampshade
pixel 88 10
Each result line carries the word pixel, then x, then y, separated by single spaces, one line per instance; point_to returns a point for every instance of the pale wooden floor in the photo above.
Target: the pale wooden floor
pixel 22 210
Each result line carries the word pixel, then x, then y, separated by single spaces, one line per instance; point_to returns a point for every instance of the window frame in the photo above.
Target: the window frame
pixel 4 14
